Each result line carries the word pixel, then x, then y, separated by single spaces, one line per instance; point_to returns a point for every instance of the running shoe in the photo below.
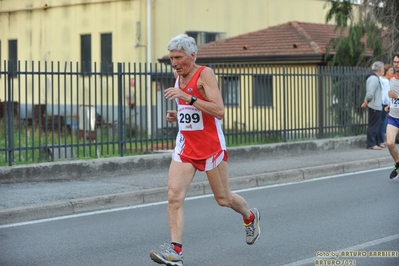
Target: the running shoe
pixel 167 255
pixel 394 173
pixel 253 230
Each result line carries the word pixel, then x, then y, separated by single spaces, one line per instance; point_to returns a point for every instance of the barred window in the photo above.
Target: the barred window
pixel 106 54
pixel 262 91
pixel 13 55
pixel 230 87
pixel 85 54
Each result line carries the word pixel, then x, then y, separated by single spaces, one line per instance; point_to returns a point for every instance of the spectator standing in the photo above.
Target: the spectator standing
pixel 373 101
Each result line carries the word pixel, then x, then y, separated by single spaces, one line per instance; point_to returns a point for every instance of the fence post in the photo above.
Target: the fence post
pixel 320 100
pixel 120 110
pixel 10 113
pixel 285 114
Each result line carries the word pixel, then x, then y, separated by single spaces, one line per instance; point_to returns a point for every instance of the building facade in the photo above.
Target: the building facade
pixel 75 46
pixel 133 30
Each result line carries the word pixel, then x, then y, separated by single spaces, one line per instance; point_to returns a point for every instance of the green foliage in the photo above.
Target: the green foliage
pixel 341 12
pixel 348 91
pixel 360 42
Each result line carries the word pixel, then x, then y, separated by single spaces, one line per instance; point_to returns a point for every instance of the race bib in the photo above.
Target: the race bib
pixel 190 118
pixel 394 103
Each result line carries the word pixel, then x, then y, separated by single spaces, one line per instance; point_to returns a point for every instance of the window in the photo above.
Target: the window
pixel 106 53
pixel 262 94
pixel 210 37
pixel 85 56
pixel 202 37
pixel 13 55
pixel 230 88
pixel 194 35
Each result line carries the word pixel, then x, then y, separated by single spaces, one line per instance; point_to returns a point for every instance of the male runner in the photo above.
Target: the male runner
pixel 393 117
pixel 200 145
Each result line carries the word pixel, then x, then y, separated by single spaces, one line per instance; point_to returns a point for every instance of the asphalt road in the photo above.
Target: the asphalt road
pixel 302 224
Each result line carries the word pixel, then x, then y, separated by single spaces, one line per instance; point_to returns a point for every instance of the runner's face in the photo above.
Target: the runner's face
pixel 181 62
pixel 396 64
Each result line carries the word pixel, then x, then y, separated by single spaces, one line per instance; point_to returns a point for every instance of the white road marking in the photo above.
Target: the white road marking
pixel 359 247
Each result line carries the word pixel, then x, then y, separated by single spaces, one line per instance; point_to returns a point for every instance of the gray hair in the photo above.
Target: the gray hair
pixel 183 42
pixel 377 66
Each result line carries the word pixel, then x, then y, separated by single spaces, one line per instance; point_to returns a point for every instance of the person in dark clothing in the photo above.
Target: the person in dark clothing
pixel 373 100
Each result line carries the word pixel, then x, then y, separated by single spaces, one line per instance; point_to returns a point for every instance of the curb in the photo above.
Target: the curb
pixel 126 199
pixel 80 170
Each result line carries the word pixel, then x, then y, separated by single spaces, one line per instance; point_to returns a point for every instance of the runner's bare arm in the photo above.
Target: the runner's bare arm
pixel 392 94
pixel 214 105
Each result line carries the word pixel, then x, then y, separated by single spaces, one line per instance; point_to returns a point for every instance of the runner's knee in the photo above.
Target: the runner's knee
pixel 175 196
pixel 390 144
pixel 224 201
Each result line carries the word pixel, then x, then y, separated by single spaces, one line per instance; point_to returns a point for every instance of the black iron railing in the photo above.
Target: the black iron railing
pixel 55 111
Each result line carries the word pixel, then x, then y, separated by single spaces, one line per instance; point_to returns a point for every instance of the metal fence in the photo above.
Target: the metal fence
pixel 56 111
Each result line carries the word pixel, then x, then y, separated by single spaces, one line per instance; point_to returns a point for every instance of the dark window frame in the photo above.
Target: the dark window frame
pixel 262 90
pixel 193 34
pixel 13 56
pixel 106 54
pixel 85 54
pixel 202 37
pixel 210 37
pixel 230 89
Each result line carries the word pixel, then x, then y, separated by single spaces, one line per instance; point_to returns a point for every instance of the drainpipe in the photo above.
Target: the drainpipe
pixel 149 60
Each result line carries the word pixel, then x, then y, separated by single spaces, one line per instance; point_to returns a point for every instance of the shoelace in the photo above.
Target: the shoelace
pixel 250 230
pixel 167 248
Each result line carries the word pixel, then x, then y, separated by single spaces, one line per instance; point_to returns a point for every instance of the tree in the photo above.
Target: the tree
pixel 351 48
pixel 368 32
pixel 386 15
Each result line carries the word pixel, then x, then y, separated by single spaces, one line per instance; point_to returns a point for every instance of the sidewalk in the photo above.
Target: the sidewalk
pixel 63 188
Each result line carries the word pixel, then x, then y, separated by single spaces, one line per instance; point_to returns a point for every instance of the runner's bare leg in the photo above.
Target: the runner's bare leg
pixel 391 138
pixel 180 177
pixel 219 182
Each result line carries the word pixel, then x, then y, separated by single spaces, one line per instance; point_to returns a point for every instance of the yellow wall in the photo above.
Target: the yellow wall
pixel 53 33
pixel 295 93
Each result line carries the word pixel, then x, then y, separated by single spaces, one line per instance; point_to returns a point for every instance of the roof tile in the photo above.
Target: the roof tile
pixel 291 38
